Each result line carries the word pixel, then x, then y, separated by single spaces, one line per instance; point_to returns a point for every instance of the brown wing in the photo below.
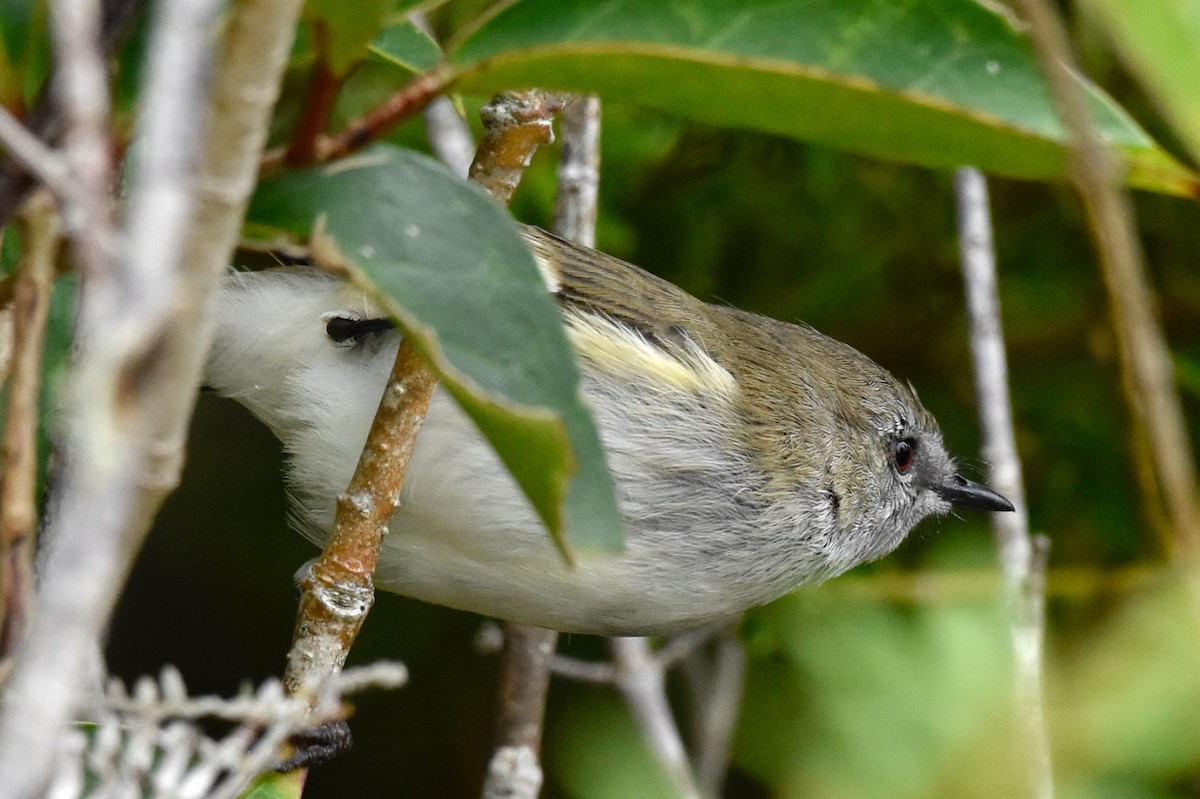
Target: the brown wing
pixel 597 283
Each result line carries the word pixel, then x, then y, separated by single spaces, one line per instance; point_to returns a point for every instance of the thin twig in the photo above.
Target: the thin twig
pixel 577 201
pixel 642 682
pixel 18 485
pixel 1168 477
pixel 591 671
pixel 45 119
pixel 514 770
pixel 1024 582
pixel 683 645
pixel 42 162
pixel 358 134
pixel 81 85
pixel 66 624
pixel 717 687
pixel 448 133
pixel 131 389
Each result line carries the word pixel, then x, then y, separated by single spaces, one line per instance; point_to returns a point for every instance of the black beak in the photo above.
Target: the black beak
pixel 962 491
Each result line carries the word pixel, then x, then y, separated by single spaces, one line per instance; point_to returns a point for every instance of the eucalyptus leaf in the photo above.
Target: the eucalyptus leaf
pixel 406 46
pixel 1160 40
pixel 453 270
pixel 934 82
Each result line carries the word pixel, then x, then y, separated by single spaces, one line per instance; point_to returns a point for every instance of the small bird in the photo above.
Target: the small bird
pixel 750 456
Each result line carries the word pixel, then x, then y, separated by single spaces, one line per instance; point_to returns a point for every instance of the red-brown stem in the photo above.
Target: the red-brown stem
pixel 318 107
pixel 339 588
pixel 406 103
pixel 517 123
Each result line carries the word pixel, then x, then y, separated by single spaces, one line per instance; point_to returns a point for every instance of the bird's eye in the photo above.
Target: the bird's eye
pixel 352 330
pixel 902 454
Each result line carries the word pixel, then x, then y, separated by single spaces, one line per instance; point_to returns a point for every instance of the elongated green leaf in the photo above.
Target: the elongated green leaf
pixel 451 267
pixel 1160 40
pixel 406 46
pixel 24 51
pixel 934 82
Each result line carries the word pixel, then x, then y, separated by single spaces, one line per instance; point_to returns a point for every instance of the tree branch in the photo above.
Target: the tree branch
pixel 29 151
pixel 515 126
pixel 516 123
pixel 1168 476
pixel 1023 564
pixel 338 588
pixel 140 336
pixel 18 485
pixel 642 681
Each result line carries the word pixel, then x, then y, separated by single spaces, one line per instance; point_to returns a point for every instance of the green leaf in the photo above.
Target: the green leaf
pixel 273 785
pixel 1160 40
pixel 350 27
pixel 24 51
pixel 451 267
pixel 406 46
pixel 934 82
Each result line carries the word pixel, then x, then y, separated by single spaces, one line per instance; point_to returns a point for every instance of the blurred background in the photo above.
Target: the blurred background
pixel 893 681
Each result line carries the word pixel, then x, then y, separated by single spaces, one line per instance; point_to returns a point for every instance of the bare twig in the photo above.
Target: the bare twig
pixel 593 671
pixel 448 133
pixel 18 503
pixel 517 123
pixel 642 682
pixel 81 85
pixel 42 162
pixel 715 675
pixel 45 120
pixel 338 588
pixel 1168 476
pixel 514 770
pixel 576 204
pixel 1024 571
pixel 450 136
pixel 401 106
pixel 67 623
pixel 132 388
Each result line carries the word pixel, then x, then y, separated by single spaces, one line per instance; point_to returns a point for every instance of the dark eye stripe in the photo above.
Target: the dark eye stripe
pixel 342 329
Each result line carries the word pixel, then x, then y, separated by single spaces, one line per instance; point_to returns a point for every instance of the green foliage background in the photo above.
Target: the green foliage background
pixel 894 681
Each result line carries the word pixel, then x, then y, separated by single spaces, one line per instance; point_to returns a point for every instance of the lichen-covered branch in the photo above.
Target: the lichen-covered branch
pixel 141 341
pixel 150 735
pixel 516 124
pixel 338 588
